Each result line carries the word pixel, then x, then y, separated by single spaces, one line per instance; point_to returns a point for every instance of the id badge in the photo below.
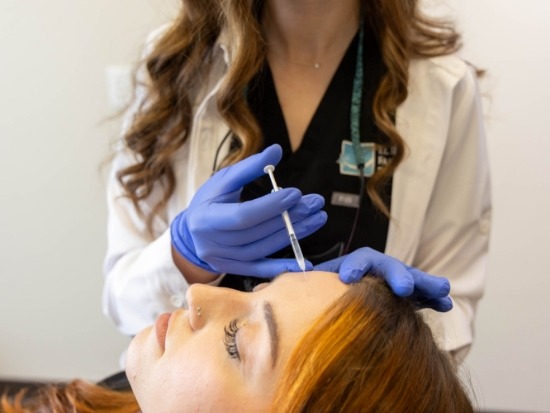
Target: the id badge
pixel 348 163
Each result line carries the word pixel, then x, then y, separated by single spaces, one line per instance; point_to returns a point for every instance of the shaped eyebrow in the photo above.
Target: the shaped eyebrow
pixel 273 331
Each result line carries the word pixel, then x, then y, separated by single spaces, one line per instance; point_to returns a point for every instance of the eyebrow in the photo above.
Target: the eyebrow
pixel 273 331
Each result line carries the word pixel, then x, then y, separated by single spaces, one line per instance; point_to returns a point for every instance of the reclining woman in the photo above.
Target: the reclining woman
pixel 302 343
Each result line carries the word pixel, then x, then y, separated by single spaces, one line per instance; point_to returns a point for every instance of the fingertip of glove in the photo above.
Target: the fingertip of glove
pixel 322 217
pixel 291 192
pixel 351 277
pixel 344 278
pixel 446 305
pixel 314 201
pixel 286 198
pixel 274 147
pixel 445 289
pixel 274 151
pixel 403 289
pixel 312 204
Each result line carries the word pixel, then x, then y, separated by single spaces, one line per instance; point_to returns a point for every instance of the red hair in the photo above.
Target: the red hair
pixel 370 352
pixel 78 396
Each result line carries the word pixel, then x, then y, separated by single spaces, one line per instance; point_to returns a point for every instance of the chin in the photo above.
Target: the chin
pixel 138 355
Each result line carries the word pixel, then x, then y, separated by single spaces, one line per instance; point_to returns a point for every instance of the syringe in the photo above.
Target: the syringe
pixel 290 229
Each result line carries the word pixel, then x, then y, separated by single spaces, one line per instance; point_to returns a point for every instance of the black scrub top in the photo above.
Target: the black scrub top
pixel 313 167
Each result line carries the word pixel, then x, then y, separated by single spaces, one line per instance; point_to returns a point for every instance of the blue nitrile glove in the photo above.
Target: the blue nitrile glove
pixel 426 290
pixel 222 235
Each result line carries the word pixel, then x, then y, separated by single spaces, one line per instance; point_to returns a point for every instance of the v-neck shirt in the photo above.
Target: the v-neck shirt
pixel 313 167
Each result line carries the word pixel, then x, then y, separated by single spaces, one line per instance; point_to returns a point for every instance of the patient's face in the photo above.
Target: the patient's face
pixel 230 357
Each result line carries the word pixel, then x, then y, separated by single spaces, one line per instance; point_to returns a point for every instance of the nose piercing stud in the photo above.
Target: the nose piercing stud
pixel 199 312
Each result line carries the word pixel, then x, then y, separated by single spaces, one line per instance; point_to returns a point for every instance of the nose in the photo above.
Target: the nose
pixel 207 303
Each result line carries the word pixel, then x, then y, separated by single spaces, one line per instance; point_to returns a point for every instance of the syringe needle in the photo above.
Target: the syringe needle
pixel 297 252
pixel 288 223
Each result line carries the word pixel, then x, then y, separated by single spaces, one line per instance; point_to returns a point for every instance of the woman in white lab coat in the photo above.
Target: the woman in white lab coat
pixel 372 109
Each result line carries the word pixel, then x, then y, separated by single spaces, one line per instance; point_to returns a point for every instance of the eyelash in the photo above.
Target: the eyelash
pixel 230 340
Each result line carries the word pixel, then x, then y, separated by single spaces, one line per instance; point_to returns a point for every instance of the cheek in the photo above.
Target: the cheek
pixel 206 380
pixel 189 378
pixel 193 375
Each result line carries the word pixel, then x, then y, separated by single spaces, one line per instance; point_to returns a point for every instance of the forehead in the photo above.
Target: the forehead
pixel 303 297
pixel 313 281
pixel 298 300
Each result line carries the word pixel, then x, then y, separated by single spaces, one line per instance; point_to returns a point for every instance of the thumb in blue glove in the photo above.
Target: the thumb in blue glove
pixel 426 290
pixel 220 234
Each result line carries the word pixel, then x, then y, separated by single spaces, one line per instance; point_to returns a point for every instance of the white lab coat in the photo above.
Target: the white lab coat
pixel 441 204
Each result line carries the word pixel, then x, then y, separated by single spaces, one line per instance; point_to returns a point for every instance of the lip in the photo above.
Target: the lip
pixel 161 327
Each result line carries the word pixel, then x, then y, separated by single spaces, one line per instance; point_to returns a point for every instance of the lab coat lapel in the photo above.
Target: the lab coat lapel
pixel 422 122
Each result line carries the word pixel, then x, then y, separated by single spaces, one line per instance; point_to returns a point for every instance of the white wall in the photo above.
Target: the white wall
pixel 53 137
pixel 510 363
pixel 53 98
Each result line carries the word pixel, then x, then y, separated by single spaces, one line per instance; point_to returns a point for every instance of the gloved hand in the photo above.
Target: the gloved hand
pixel 222 235
pixel 426 290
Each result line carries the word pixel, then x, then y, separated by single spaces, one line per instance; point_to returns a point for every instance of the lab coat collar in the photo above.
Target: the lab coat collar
pixel 227 48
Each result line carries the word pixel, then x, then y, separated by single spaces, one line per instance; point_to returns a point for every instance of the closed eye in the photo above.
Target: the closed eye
pixel 230 340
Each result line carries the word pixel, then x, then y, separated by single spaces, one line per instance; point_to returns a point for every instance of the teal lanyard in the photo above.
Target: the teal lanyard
pixel 356 103
pixel 355 115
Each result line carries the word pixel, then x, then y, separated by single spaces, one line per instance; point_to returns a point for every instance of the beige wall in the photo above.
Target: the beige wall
pixel 509 364
pixel 53 98
pixel 53 137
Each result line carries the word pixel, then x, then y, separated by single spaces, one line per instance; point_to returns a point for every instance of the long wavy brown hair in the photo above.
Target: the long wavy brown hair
pixel 181 57
pixel 370 352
